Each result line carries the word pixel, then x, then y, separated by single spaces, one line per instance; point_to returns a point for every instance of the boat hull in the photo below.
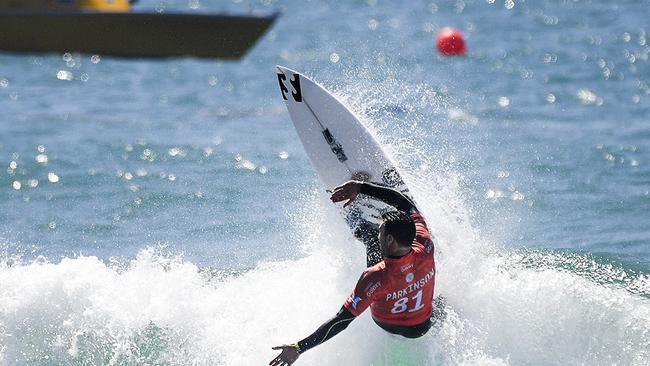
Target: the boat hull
pixel 132 34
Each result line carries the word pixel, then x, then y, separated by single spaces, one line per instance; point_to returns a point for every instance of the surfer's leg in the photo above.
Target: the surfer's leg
pixel 369 235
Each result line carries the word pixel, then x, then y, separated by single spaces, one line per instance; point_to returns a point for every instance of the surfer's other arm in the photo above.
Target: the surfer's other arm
pixel 350 189
pixel 329 329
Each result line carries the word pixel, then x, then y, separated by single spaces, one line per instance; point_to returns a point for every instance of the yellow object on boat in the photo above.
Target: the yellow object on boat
pixel 96 5
pixel 105 5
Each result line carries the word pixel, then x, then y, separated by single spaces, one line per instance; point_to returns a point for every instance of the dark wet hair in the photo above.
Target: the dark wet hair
pixel 400 225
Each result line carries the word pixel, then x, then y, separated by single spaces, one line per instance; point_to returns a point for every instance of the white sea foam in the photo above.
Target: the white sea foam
pixel 157 309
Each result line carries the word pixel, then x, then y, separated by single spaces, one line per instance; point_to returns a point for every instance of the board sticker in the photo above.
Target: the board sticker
pixel 336 148
pixel 297 95
pixel 283 88
pixel 295 83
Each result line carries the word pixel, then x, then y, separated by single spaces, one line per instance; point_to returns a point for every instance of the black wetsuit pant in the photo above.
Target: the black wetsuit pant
pixel 413 331
pixel 368 233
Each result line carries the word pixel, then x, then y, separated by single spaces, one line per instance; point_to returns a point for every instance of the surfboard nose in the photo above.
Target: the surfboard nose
pixel 285 70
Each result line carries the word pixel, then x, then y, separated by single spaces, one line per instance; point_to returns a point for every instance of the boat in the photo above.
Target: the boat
pixel 112 28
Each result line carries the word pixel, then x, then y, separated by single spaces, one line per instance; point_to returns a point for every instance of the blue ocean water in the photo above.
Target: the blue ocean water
pixel 164 212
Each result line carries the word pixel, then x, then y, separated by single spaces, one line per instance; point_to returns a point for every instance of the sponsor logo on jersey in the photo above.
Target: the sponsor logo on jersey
pixel 372 288
pixel 355 301
pixel 409 277
pixel 406 267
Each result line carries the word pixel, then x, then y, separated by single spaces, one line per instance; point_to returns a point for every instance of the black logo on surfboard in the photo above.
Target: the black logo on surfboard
pixel 295 83
pixel 337 149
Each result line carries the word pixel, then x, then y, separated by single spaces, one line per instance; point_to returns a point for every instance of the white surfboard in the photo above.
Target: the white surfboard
pixel 339 146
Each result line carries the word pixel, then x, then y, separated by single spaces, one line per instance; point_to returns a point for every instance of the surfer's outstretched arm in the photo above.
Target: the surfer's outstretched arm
pixel 326 331
pixel 350 189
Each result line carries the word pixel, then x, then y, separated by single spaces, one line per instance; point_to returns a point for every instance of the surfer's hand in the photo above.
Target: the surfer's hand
pixel 288 356
pixel 346 191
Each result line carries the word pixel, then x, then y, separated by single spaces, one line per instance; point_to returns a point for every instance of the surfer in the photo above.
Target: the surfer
pixel 398 289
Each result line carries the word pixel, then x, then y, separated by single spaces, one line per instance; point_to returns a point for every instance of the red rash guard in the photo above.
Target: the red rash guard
pixel 399 291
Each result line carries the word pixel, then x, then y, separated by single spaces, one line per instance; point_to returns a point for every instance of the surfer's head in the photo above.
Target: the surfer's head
pixel 396 233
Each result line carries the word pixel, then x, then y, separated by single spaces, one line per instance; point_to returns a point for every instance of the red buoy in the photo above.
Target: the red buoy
pixel 451 42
